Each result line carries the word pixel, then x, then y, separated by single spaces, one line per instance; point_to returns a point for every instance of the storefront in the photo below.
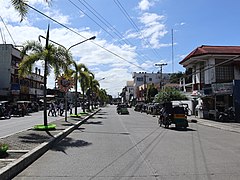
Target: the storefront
pixel 217 98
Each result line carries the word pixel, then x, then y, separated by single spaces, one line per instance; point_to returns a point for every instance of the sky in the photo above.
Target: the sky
pixel 131 35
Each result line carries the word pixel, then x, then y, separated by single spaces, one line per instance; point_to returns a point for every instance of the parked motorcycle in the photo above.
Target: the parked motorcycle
pixel 227 115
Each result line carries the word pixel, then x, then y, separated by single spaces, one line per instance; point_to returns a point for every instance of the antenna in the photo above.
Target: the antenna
pixel 7 30
pixel 172 54
pixel 3 39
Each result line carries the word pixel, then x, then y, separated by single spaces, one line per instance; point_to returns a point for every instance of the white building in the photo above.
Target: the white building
pixel 142 79
pixel 12 87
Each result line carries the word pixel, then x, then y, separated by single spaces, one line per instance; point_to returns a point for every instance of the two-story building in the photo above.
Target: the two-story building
pixel 12 87
pixel 214 74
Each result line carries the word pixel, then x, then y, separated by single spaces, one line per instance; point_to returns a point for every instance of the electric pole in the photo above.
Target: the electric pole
pixel 160 66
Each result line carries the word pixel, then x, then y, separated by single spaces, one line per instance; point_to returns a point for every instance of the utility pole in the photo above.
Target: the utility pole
pixel 160 66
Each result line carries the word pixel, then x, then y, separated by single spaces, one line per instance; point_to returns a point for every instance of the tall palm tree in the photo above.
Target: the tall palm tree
pixel 84 80
pixel 95 90
pixel 53 57
pixel 22 7
pixel 78 69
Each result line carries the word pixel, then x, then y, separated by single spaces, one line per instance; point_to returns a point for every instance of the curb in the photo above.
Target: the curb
pixel 14 168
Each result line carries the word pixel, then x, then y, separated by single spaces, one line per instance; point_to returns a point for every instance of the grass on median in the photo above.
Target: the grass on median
pixel 44 128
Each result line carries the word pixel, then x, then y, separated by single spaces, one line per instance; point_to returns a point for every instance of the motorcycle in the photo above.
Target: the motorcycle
pixel 227 115
pixel 165 119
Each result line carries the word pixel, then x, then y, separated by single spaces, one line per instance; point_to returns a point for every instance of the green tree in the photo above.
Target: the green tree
pixel 151 92
pixel 53 57
pixel 95 90
pixel 77 73
pixel 84 80
pixel 103 97
pixel 169 94
pixel 175 77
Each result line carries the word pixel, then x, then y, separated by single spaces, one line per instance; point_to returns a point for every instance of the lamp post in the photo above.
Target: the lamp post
pixel 160 66
pixel 101 79
pixel 91 38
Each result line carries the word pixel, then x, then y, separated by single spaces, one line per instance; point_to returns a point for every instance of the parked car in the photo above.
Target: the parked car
pixel 122 109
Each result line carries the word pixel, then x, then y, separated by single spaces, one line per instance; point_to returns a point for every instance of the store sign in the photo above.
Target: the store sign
pixel 15 89
pixel 65 83
pixel 222 88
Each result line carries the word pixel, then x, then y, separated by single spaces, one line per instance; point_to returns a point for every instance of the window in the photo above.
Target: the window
pixel 139 78
pixel 150 79
pixel 224 73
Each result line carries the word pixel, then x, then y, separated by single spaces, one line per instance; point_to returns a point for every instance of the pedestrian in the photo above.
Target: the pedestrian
pixel 61 108
pixel 54 113
pixel 50 109
pixel 70 108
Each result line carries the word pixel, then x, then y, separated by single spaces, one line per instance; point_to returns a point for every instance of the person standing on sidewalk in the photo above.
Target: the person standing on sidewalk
pixel 61 108
pixel 70 108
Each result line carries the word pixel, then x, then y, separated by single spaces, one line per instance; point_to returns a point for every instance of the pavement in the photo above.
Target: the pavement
pixel 27 146
pixel 227 126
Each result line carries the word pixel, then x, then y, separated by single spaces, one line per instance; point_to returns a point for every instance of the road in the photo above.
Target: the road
pixel 16 124
pixel 112 146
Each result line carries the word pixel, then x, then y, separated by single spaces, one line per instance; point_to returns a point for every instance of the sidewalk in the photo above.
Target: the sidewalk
pixel 26 146
pixel 231 126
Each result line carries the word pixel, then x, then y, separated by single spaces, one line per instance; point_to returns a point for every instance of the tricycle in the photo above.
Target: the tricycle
pixel 5 109
pixel 170 114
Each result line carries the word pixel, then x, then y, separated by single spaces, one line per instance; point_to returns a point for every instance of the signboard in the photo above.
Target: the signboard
pixel 222 88
pixel 15 89
pixel 65 83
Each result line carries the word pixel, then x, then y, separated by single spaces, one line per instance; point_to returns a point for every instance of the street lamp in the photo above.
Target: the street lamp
pixel 101 79
pixel 91 38
pixel 160 66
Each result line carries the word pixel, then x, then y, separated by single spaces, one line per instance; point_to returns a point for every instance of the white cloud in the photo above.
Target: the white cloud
pixel 152 31
pixel 103 63
pixel 144 5
pixel 56 15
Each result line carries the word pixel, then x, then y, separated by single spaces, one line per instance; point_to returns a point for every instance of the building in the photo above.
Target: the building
pixel 213 78
pixel 12 87
pixel 142 79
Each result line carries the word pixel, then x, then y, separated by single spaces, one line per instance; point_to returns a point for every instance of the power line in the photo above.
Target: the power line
pixel 115 54
pixel 106 23
pixel 134 25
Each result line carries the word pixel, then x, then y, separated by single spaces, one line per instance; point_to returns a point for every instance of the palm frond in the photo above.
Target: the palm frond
pixel 25 67
pixel 21 7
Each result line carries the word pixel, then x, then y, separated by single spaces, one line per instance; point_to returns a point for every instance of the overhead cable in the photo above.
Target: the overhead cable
pixel 125 13
pixel 106 23
pixel 115 54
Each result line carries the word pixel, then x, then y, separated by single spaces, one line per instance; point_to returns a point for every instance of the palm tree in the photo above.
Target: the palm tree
pixel 53 57
pixel 22 7
pixel 95 90
pixel 84 80
pixel 77 72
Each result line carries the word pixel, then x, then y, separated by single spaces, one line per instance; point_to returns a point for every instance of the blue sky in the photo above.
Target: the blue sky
pixel 132 35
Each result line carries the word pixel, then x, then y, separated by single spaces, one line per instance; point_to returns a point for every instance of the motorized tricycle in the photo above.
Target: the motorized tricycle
pixel 5 109
pixel 170 114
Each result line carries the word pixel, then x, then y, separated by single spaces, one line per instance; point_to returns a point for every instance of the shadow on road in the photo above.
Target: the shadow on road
pixel 181 129
pixel 94 122
pixel 69 142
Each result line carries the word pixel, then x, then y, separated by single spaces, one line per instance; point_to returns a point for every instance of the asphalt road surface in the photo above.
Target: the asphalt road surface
pixel 126 147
